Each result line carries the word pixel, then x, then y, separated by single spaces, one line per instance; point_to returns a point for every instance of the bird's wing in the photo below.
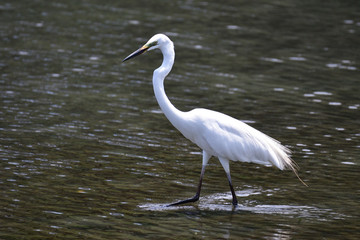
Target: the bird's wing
pixel 227 137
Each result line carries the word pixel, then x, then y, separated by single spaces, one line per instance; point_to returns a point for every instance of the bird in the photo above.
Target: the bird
pixel 217 134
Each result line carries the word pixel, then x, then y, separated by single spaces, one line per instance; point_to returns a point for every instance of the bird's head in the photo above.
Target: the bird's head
pixel 154 42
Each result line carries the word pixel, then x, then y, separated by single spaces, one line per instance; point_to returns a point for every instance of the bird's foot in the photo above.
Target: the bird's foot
pixel 193 199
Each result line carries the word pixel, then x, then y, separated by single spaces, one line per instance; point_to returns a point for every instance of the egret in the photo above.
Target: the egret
pixel 215 133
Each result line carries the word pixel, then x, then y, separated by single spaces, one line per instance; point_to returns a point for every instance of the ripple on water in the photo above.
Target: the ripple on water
pixel 222 202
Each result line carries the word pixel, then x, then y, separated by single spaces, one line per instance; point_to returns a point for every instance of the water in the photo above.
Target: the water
pixel 86 153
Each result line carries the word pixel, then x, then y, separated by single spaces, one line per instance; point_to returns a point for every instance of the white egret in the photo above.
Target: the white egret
pixel 215 133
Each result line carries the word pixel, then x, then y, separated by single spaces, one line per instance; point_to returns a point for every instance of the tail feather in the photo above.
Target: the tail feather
pixel 283 159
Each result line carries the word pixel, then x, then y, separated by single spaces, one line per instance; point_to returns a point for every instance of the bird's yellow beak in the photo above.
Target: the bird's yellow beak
pixel 137 52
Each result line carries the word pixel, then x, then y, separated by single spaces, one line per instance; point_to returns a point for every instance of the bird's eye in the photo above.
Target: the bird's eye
pixel 152 44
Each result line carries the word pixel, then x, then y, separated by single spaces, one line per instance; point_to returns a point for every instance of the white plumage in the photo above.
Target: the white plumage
pixel 226 137
pixel 215 133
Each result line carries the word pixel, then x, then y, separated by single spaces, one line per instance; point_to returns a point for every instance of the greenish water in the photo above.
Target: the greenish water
pixel 85 152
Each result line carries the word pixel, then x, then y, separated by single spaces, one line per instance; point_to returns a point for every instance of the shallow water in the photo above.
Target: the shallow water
pixel 86 153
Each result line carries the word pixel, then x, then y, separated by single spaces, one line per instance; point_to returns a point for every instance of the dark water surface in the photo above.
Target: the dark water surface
pixel 85 152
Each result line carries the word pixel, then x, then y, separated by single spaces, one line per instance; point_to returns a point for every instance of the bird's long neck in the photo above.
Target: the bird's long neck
pixel 173 114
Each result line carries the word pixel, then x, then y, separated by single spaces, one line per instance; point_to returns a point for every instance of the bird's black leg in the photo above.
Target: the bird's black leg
pixel 225 163
pixel 235 201
pixel 197 195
